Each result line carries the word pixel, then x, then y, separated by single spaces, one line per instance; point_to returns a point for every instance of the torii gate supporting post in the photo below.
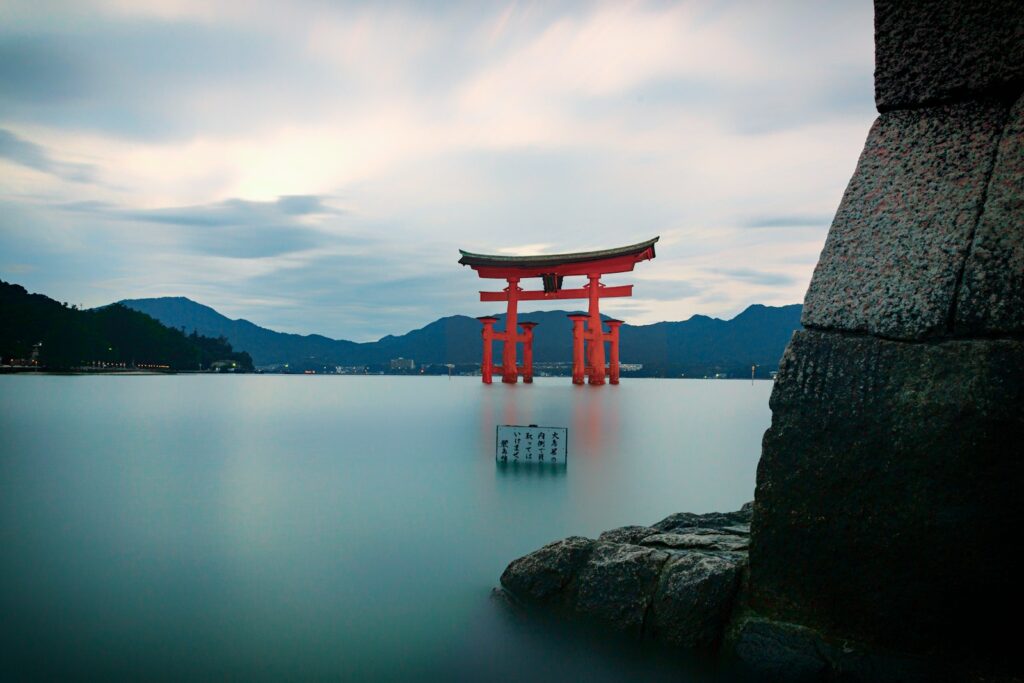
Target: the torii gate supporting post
pixel 528 351
pixel 578 367
pixel 509 372
pixel 596 336
pixel 487 366
pixel 613 360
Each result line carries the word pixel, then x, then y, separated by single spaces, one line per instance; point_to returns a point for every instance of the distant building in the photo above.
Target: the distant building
pixel 350 369
pixel 631 367
pixel 403 363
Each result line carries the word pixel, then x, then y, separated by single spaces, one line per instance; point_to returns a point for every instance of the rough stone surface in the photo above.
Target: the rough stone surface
pixel 710 520
pixel 888 485
pixel 698 539
pixel 617 583
pixel 902 232
pixel 545 576
pixel 944 50
pixel 780 651
pixel 991 299
pixel 627 534
pixel 694 599
pixel 680 590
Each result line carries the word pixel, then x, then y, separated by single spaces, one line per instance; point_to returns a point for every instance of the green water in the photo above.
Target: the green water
pixel 332 527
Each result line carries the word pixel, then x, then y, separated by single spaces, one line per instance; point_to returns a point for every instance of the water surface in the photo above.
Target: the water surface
pixel 298 526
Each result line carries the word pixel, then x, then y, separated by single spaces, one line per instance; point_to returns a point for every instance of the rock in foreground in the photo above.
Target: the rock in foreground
pixel 675 581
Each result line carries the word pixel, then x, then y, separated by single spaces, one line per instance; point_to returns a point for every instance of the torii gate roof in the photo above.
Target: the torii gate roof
pixel 620 259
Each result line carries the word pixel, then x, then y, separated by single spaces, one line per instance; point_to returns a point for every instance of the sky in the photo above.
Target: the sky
pixel 316 166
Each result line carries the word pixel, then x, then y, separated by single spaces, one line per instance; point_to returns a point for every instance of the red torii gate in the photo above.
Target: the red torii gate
pixel 588 341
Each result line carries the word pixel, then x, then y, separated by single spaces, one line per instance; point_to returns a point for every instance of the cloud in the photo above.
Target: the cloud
pixel 156 80
pixel 235 227
pixel 303 205
pixel 667 290
pixel 31 155
pixel 792 221
pixel 758 277
pixel 38 72
pixel 229 135
pixel 237 212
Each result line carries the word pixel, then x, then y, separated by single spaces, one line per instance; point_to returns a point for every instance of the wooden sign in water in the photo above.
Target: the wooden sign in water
pixel 530 444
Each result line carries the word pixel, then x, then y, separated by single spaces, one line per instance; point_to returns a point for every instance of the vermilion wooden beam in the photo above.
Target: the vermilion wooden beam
pixel 621 264
pixel 539 295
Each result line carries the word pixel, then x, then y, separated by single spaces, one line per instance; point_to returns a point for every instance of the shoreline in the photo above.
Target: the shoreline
pixel 152 373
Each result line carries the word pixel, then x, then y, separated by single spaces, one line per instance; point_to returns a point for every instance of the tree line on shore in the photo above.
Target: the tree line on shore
pixel 53 335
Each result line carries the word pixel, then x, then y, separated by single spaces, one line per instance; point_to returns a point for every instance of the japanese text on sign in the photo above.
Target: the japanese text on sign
pixel 531 444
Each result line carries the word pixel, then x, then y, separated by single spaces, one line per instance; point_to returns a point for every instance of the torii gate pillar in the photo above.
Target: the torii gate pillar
pixel 509 371
pixel 487 366
pixel 578 366
pixel 613 360
pixel 527 351
pixel 596 336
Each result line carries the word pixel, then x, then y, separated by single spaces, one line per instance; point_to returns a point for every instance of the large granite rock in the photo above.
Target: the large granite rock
pixel 627 534
pixel 617 583
pixel 695 598
pixel 888 492
pixel 901 234
pixel 780 651
pixel 698 539
pixel 676 587
pixel 991 299
pixel 547 576
pixel 931 51
pixel 708 520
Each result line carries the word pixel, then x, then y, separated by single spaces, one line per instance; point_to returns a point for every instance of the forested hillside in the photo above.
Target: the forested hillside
pixel 64 337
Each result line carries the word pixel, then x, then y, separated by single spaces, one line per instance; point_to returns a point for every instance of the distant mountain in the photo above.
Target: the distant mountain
pixel 698 346
pixel 268 347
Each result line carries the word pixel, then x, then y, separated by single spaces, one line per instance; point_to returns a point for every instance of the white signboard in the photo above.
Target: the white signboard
pixel 531 444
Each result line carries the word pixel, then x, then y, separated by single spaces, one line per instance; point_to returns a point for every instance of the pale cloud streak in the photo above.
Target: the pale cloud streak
pixel 315 167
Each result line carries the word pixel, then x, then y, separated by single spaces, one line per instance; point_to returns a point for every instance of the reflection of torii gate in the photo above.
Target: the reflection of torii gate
pixel 552 269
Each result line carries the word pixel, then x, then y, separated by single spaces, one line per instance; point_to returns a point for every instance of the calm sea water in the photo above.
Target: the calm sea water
pixel 268 527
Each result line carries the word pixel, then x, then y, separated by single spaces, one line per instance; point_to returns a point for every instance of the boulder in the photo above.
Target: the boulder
pixel 627 534
pixel 710 520
pixel 677 587
pixel 545 576
pixel 617 584
pixel 694 599
pixel 697 539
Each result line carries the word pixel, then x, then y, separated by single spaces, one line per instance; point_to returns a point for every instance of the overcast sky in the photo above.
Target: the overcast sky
pixel 315 166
